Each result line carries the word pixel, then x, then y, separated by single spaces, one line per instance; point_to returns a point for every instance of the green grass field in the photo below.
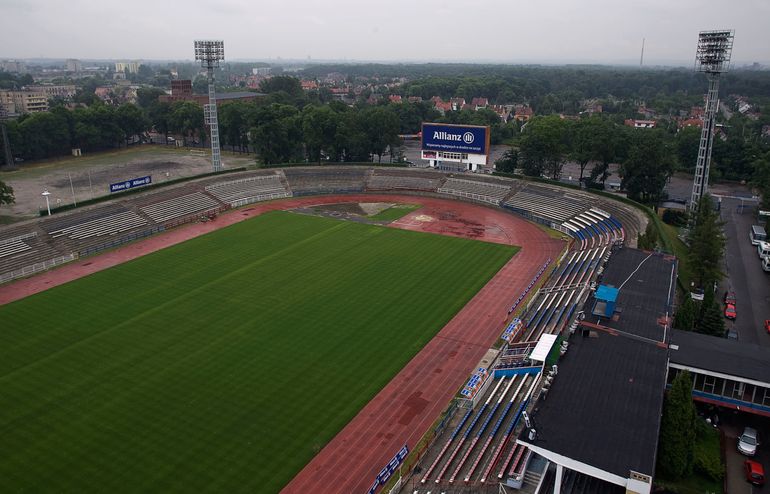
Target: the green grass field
pixel 225 363
pixel 395 212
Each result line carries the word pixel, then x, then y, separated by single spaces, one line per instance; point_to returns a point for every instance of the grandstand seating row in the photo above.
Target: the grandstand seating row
pixel 491 193
pixel 594 227
pixel 56 223
pixel 325 181
pixel 550 207
pixel 184 205
pixel 106 225
pixel 13 247
pixel 391 182
pixel 248 190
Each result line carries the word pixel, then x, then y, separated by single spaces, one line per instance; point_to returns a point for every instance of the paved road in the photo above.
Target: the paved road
pixel 745 275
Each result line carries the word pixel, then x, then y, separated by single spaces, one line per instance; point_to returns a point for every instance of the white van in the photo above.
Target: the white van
pixel 763 250
pixel 757 234
pixel 766 264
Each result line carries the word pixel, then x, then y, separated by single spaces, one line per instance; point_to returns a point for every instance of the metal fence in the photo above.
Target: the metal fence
pixel 264 197
pixel 89 251
pixel 37 267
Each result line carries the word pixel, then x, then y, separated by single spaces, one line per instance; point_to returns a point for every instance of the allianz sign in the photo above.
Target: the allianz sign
pixel 467 137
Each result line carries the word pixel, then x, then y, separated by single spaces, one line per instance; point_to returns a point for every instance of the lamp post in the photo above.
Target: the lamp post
pixel 47 204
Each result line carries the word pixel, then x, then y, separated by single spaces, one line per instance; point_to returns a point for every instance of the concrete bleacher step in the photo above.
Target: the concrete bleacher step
pixel 179 206
pixel 107 225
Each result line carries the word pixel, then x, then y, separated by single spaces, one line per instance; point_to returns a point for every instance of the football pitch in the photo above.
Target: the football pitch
pixel 222 364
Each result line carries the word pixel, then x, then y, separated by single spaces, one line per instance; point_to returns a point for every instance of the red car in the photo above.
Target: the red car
pixel 730 312
pixel 754 472
pixel 767 325
pixel 730 298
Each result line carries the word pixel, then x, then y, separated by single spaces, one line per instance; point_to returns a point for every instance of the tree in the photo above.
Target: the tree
pixel 186 118
pixel 131 120
pixel 594 139
pixel 44 135
pixel 319 129
pixel 648 166
pixel 6 194
pixel 710 320
pixel 761 180
pixel 233 124
pixel 707 244
pixel 148 96
pixel 508 162
pixel 277 133
pixel 649 239
pixel 160 117
pixel 678 429
pixel 686 314
pixel 687 144
pixel 288 84
pixel 380 126
pixel 542 145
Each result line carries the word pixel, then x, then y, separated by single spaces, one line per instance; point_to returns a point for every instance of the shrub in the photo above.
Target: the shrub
pixel 675 217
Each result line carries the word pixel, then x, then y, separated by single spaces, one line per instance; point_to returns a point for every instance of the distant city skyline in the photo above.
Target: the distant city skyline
pixel 559 31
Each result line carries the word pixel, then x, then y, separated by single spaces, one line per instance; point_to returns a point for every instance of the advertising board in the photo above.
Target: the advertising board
pixel 470 139
pixel 130 183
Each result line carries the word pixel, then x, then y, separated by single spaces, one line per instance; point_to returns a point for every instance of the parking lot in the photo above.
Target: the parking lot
pixel 732 426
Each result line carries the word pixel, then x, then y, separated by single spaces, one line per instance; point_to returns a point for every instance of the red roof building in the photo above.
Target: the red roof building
pixel 523 113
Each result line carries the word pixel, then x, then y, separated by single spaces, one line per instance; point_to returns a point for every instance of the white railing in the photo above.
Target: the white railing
pixel 36 268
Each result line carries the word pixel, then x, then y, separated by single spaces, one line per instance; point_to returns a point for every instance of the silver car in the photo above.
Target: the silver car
pixel 747 443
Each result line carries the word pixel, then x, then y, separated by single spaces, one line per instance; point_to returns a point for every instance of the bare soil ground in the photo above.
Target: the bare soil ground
pixel 77 179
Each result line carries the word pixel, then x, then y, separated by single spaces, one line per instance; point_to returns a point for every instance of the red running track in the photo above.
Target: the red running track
pixel 403 411
pixel 406 408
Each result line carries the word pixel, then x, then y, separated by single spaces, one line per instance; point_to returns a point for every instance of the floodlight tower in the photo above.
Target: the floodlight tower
pixel 712 58
pixel 210 52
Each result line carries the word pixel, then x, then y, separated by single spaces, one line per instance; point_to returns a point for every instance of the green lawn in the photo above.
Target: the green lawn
pixel 224 363
pixel 394 212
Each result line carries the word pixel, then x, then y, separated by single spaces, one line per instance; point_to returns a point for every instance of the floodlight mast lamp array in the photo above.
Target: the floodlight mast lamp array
pixel 210 53
pixel 712 58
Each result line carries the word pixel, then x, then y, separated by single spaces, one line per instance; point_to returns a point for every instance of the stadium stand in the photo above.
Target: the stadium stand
pixel 14 245
pixel 66 221
pixel 249 190
pixel 390 180
pixel 491 193
pixel 179 206
pixel 25 250
pixel 107 225
pixel 325 180
pixel 544 203
pixel 592 220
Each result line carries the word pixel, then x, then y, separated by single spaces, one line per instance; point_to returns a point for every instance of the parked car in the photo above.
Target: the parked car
pixel 732 334
pixel 730 298
pixel 730 312
pixel 748 442
pixel 754 472
pixel 767 325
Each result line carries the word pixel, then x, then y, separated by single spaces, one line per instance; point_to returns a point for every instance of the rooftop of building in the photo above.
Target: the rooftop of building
pixel 730 357
pixel 603 408
pixel 644 283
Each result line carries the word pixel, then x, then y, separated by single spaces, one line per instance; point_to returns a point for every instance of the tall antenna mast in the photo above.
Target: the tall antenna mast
pixel 712 58
pixel 209 53
pixel 641 59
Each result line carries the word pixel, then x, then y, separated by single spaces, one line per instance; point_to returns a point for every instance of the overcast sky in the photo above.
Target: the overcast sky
pixel 556 31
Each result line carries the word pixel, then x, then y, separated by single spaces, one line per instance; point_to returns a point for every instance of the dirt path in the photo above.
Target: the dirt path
pixel 405 409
